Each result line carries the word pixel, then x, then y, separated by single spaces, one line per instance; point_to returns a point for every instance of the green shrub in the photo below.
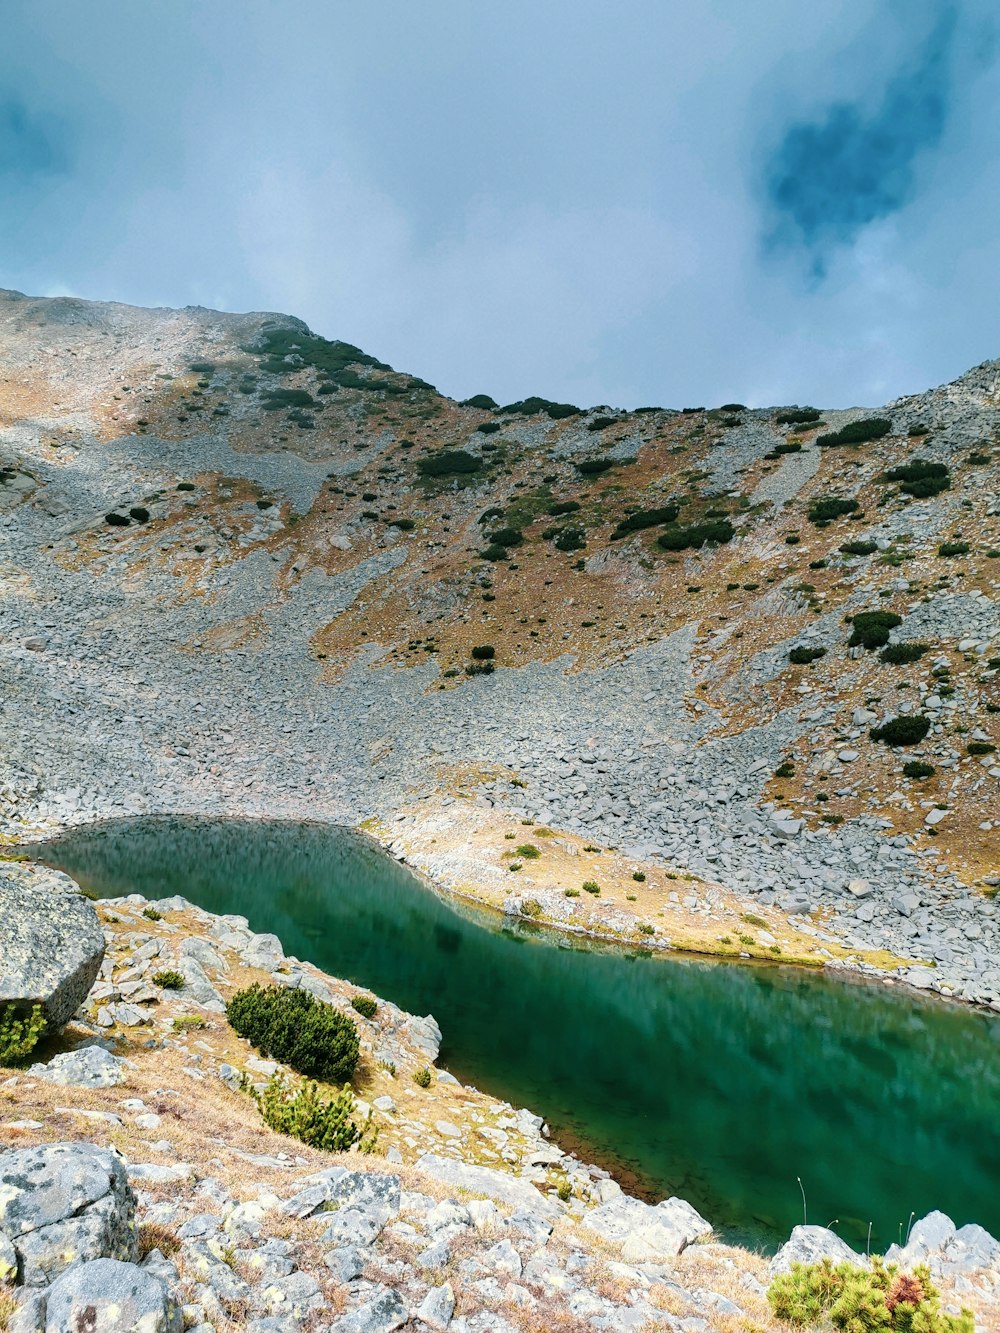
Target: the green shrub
pixel 506 537
pixel 488 428
pixel 978 460
pixel 479 668
pixel 858 548
pixel 483 652
pixel 639 876
pixel 529 851
pixel 529 407
pixel 825 508
pixel 645 518
pixel 21 1029
pixel 916 768
pixel 921 478
pixel 571 893
pixel 168 979
pixel 953 548
pixel 480 400
pixel 786 447
pixel 188 1023
pixel 644 928
pixel 563 507
pixel 797 416
pixel 980 747
pixel 802 656
pixel 909 729
pixel 276 399
pixel 570 539
pixel 591 886
pixel 602 423
pixel 404 524
pixel 593 467
pixel 294 1027
pixel 422 1078
pixel 366 1005
pixel 856 432
pixel 753 920
pixel 733 407
pixel 300 1112
pixel 448 463
pixel 785 770
pixel 494 552
pixel 151 914
pixel 696 535
pixel 882 1299
pixel 900 653
pixel 870 629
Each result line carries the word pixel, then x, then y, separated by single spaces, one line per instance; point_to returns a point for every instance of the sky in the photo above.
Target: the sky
pixel 652 202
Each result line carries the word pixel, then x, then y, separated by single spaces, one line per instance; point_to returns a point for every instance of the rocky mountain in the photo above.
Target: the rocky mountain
pixel 758 647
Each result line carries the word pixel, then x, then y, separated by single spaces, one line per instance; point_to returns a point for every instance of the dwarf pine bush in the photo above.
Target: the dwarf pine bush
pixel 301 1112
pixel 294 1027
pixel 21 1029
pixel 881 1299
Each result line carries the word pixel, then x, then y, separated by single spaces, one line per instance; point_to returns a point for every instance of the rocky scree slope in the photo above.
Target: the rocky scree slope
pixel 644 628
pixel 139 1189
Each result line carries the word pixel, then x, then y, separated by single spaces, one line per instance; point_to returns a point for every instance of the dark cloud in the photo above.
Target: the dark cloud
pixel 832 176
pixel 30 145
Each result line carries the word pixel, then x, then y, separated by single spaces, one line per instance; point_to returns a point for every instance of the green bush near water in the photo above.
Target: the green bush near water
pixel 882 1299
pixel 366 1005
pixel 21 1029
pixel 299 1111
pixel 294 1027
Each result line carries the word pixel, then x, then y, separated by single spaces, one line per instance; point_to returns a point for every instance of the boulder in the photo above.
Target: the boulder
pixel 91 1067
pixel 647 1233
pixel 108 1295
pixel 497 1185
pixel 808 1244
pixel 53 942
pixel 63 1204
pixel 425 1035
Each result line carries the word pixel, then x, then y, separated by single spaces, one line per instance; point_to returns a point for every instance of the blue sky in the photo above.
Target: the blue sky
pixel 651 202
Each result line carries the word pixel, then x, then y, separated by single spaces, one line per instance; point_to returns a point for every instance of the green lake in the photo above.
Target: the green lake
pixel 722 1083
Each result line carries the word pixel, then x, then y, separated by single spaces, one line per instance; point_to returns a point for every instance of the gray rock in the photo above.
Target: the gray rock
pixel 346 1262
pixel 53 941
pixel 92 1067
pixel 809 1244
pixel 63 1204
pixel 970 1249
pixel 437 1307
pixel 112 1297
pixel 8 1262
pixel 927 1236
pixel 263 951
pixel 648 1234
pixel 497 1185
pixel 382 1314
pixel 425 1034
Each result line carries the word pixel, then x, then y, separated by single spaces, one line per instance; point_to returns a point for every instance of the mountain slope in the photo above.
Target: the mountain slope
pixel 200 510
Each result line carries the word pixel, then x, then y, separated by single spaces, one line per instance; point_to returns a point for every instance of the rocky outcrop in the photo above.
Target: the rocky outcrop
pixel 647 1233
pixel 810 1244
pixel 90 1067
pixel 63 1204
pixel 53 942
pixel 105 1295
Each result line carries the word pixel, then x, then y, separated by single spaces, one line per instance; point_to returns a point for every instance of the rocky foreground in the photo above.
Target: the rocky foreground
pixel 141 1191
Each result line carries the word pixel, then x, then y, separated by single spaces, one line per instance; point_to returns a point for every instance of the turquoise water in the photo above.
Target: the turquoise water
pixel 717 1082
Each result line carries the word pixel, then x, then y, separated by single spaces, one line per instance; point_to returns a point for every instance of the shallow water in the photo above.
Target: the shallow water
pixel 718 1082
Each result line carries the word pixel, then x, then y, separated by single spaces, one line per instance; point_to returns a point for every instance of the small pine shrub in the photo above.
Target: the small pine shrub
pixel 602 423
pixel 448 463
pixel 858 1300
pixel 953 548
pixel 753 920
pixel 639 876
pixel 858 548
pixel 802 656
pixel 593 467
pixel 151 914
pixel 506 537
pixel 188 1023
pixel 785 770
pixel 591 886
pixel 825 508
pixel 797 416
pixel 529 407
pixel 494 552
pixel 21 1029
pixel 916 768
pixel 482 401
pixel 733 407
pixel 980 747
pixel 921 478
pixel 569 539
pixel 645 518
pixel 294 1027
pixel 299 1111
pixel 856 432
pixel 563 507
pixel 365 1005
pixel 528 851
pixel 696 535
pixel 644 928
pixel 488 428
pixel 168 979
pixel 422 1078
pixel 870 629
pixel 978 460
pixel 898 654
pixel 483 652
pixel 906 730
pixel 571 893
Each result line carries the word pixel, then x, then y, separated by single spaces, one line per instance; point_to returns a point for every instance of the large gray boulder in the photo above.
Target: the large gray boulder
pixel 497 1185
pixel 105 1295
pixel 648 1233
pixel 89 1067
pixel 53 943
pixel 808 1244
pixel 63 1204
